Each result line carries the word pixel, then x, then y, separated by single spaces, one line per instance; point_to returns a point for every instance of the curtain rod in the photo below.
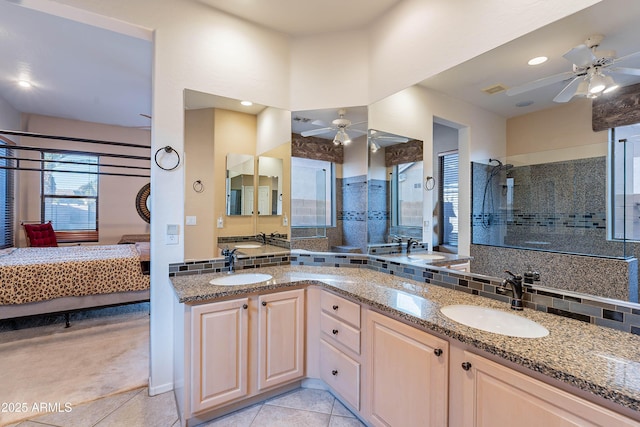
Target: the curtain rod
pixel 68 138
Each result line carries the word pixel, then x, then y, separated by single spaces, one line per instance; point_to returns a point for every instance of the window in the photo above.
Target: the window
pixel 448 196
pixel 312 195
pixel 6 196
pixel 70 195
pixel 625 182
pixel 407 194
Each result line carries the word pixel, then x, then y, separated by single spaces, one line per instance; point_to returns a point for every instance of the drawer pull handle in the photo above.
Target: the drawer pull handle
pixel 334 372
pixel 264 303
pixel 466 366
pixel 437 352
pixel 335 307
pixel 245 306
pixel 334 332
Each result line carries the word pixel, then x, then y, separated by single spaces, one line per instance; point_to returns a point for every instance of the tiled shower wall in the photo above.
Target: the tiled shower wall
pixel 559 206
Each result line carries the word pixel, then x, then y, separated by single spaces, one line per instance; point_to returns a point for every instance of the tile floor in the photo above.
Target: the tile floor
pixel 301 407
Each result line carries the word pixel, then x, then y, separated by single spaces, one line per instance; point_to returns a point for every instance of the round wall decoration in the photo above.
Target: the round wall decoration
pixel 143 202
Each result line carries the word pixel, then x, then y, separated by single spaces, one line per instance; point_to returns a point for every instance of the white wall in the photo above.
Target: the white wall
pixel 9 118
pixel 198 48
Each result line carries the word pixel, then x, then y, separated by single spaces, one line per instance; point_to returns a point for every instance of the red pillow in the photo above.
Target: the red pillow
pixel 41 235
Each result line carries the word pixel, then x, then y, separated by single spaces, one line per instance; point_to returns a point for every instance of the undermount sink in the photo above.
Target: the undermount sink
pixel 496 321
pixel 248 246
pixel 241 279
pixel 427 257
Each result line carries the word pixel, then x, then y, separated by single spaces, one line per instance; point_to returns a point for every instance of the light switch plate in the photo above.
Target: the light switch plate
pixel 191 220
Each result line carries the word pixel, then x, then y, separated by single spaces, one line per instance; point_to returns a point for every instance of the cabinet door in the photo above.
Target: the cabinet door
pixel 219 364
pixel 494 395
pixel 280 338
pixel 408 375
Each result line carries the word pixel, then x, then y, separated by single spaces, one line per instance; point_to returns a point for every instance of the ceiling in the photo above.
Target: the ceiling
pixel 87 73
pixel 304 17
pixel 617 20
pixel 78 71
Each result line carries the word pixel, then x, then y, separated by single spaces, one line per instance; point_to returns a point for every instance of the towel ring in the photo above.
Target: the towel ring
pixel 198 186
pixel 169 150
pixel 429 183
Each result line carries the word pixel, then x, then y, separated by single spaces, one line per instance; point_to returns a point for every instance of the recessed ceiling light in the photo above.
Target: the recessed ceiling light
pixel 24 83
pixel 246 103
pixel 537 60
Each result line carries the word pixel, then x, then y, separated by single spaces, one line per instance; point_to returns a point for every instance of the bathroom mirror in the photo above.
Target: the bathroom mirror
pixel 395 190
pixel 215 127
pixel 240 190
pixel 269 186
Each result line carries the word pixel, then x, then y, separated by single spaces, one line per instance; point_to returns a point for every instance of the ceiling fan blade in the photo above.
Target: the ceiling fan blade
pixel 319 122
pixel 361 132
pixel 625 70
pixel 536 84
pixel 357 124
pixel 315 131
pixel 626 57
pixel 569 91
pixel 392 139
pixel 580 55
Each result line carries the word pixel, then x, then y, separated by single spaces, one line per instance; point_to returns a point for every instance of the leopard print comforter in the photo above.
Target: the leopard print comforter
pixel 38 274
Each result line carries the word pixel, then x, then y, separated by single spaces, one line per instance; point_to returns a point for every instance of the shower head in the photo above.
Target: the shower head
pixel 496 160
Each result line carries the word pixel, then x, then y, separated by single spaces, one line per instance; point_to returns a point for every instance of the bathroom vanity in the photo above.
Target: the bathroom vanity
pixel 381 344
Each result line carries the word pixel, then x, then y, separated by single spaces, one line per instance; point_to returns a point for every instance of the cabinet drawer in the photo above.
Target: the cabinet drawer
pixel 341 308
pixel 341 373
pixel 341 332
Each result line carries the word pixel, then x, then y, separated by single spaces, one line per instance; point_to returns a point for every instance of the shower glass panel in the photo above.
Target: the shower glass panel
pixel 557 206
pixel 311 207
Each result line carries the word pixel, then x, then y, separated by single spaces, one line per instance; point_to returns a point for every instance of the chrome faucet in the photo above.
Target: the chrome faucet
pixel 231 258
pixel 396 239
pixel 516 287
pixel 411 242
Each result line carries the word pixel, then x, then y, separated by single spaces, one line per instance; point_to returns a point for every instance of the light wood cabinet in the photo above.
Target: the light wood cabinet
pixel 407 382
pixel 494 395
pixel 220 340
pixel 280 338
pixel 227 335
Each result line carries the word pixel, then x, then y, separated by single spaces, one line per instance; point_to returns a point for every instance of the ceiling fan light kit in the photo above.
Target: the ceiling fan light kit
pixel 590 75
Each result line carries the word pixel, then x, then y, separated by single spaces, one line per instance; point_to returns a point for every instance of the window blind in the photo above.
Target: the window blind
pixel 448 196
pixel 7 198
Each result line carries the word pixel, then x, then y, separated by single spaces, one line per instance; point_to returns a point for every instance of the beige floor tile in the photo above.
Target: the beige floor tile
pixel 90 413
pixel 30 423
pixel 305 398
pixel 277 416
pixel 241 418
pixel 143 410
pixel 344 422
pixel 340 410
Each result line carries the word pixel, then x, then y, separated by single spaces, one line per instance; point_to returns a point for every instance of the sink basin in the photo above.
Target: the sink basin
pixel 427 257
pixel 248 246
pixel 496 321
pixel 241 279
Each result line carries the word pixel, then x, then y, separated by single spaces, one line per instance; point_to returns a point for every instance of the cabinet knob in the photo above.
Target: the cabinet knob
pixel 264 303
pixel 335 307
pixel 466 366
pixel 334 372
pixel 334 332
pixel 437 352
pixel 245 306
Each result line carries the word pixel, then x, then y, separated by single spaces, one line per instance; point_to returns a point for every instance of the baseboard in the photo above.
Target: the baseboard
pixel 153 391
pixel 314 383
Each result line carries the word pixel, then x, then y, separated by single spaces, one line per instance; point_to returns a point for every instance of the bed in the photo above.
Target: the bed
pixel 63 279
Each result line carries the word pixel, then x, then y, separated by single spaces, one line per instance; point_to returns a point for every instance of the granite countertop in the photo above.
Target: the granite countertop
pixel 423 257
pixel 599 360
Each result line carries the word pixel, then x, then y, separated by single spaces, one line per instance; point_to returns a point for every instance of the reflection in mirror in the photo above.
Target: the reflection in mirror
pixel 240 190
pixel 269 186
pixel 395 196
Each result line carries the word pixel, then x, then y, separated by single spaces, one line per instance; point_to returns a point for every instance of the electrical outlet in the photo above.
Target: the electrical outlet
pixel 171 239
pixel 220 222
pixel 285 221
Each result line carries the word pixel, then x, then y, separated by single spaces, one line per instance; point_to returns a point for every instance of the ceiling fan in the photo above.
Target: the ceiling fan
pixel 591 74
pixel 338 125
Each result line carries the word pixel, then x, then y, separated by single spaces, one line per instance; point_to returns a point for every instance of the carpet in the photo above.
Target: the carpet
pixel 52 369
